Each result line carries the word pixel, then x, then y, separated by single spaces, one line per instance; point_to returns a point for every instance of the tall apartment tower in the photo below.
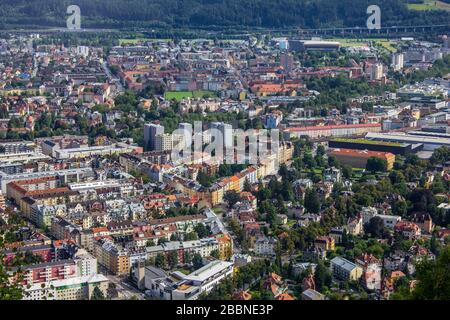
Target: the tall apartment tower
pixel 163 142
pixel 398 61
pixel 2 201
pixel 227 132
pixel 151 130
pixel 377 71
pixel 446 41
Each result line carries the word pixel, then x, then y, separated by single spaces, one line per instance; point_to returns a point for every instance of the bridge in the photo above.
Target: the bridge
pixel 292 31
pixel 349 31
pixel 383 30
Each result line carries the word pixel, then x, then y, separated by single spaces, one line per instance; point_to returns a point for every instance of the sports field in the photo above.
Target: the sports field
pixel 178 95
pixel 138 40
pixel 429 5
pixel 355 42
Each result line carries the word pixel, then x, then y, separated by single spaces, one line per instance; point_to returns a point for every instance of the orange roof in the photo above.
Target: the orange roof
pixel 284 296
pixel 247 196
pixel 234 178
pixel 274 277
pixel 103 237
pixel 360 153
pixel 243 295
pixel 99 229
pixel 397 274
pixel 223 238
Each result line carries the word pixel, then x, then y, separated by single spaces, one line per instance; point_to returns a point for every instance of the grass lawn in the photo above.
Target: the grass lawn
pixel 137 40
pixel 178 95
pixel 131 41
pixel 387 45
pixel 367 141
pixel 357 172
pixel 291 223
pixel 184 271
pixel 353 42
pixel 429 5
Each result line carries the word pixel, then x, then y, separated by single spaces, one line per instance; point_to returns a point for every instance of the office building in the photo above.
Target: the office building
pixel 226 131
pixel 376 72
pixel 151 130
pixel 397 61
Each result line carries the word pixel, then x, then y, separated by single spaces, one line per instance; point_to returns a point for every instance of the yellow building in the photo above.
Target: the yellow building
pixel 415 113
pixel 325 243
pixel 225 246
pixel 343 269
pixel 112 257
pixel 285 152
pixel 217 194
pixel 234 184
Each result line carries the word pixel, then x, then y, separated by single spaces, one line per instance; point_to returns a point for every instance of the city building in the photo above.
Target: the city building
pixel 358 158
pixel 151 130
pixel 317 132
pixel 345 270
pixel 78 288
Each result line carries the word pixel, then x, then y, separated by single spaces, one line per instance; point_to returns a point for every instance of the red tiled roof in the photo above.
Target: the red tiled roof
pixel 360 153
pixel 284 296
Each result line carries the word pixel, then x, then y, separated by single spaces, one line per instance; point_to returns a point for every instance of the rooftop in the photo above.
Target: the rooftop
pixel 209 270
pixel 343 263
pixel 342 126
pixel 367 141
pixel 360 153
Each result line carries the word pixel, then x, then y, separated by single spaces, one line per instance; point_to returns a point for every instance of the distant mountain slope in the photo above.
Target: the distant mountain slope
pixel 200 13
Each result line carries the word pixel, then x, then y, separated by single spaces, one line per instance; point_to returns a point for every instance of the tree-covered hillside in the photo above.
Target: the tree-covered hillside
pixel 201 13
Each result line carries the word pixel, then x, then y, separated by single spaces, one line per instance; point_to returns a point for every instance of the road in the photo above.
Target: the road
pixel 125 290
pixel 112 79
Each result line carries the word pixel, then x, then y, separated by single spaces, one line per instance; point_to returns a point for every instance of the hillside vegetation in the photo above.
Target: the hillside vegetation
pixel 220 13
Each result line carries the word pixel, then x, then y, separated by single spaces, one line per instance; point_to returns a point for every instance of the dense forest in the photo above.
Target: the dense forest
pixel 210 13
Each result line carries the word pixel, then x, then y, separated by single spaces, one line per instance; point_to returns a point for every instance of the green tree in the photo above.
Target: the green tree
pixel 231 197
pixel 400 208
pixel 247 186
pixel 376 227
pixel 197 261
pixel 201 230
pixel 97 294
pixel 433 278
pixel 187 257
pixel 191 236
pixel 322 276
pixel 375 164
pixel 160 261
pixel 215 254
pixel 204 179
pixel 347 172
pixel 9 289
pixel 312 201
pixel 172 259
